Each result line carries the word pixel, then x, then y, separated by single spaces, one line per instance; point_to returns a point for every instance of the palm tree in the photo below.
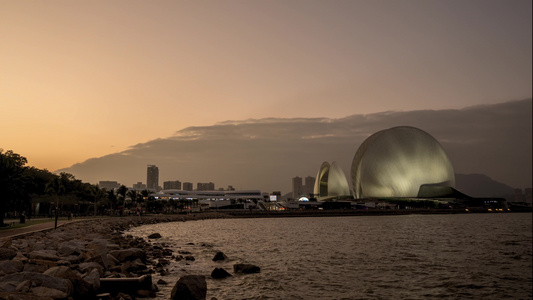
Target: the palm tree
pixel 133 196
pixel 122 190
pixel 112 198
pixel 97 194
pixel 56 188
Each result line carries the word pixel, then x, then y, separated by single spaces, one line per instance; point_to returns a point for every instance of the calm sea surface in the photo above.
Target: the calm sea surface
pixel 467 256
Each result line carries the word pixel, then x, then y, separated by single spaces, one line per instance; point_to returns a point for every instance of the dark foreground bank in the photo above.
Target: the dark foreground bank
pixel 85 260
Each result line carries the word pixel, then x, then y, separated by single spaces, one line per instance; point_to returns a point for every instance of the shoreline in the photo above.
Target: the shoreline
pixel 75 259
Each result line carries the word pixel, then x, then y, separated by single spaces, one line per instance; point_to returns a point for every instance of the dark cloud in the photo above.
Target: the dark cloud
pixel 265 154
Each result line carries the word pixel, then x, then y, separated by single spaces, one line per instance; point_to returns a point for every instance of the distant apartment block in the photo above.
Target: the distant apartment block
pixel 172 185
pixel 108 185
pixel 187 186
pixel 201 186
pixel 299 189
pixel 309 185
pixel 152 177
pixel 139 186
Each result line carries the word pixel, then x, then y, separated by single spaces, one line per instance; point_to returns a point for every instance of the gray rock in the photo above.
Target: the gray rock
pixel 88 266
pixel 81 287
pixel 154 236
pixel 38 265
pixel 130 254
pixel 6 244
pixel 220 256
pixel 93 279
pixel 43 291
pixel 11 266
pixel 136 265
pixel 190 287
pixel 69 249
pixel 45 255
pixel 34 268
pixel 112 260
pixel 246 268
pixel 219 273
pixel 20 257
pixel 39 279
pixel 6 253
pixel 7 286
pixel 24 287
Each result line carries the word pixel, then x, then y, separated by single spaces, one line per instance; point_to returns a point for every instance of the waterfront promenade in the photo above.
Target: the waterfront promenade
pixel 47 225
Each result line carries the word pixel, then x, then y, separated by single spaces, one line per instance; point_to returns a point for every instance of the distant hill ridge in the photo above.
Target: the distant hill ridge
pixel 480 185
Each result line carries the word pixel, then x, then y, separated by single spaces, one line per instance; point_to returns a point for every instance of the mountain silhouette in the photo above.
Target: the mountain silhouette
pixel 480 185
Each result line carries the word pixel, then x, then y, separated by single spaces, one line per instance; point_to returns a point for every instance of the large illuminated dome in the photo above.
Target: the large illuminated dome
pixel 330 182
pixel 397 161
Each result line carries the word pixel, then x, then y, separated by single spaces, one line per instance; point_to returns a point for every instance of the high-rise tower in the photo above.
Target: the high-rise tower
pixel 152 177
pixel 296 187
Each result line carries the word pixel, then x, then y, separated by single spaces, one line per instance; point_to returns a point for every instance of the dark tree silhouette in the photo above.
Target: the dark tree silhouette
pixel 12 183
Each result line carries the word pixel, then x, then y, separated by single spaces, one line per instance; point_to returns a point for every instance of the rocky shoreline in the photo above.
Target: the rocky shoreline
pixel 90 259
pixel 94 259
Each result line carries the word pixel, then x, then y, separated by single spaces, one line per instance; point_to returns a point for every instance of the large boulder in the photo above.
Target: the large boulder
pixel 246 268
pixel 7 253
pixel 190 287
pixel 130 254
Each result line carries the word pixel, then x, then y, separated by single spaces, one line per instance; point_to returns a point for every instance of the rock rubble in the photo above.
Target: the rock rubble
pixel 81 260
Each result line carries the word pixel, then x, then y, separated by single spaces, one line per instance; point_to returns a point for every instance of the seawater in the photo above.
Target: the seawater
pixel 460 256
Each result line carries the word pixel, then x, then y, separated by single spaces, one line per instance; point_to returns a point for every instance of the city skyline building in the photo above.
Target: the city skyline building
pixel 205 186
pixel 172 185
pixel 296 187
pixel 299 188
pixel 139 186
pixel 152 177
pixel 108 185
pixel 309 185
pixel 187 186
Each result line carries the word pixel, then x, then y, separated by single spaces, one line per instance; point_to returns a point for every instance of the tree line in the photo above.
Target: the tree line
pixel 26 190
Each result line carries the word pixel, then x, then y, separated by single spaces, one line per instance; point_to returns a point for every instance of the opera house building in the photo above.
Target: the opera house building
pixel 397 162
pixel 330 182
pixel 400 162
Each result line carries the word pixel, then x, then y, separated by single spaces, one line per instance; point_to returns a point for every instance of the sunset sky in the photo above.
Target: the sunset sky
pixel 84 79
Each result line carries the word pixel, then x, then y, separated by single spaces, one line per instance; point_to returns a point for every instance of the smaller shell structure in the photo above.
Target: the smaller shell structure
pixel 396 162
pixel 330 182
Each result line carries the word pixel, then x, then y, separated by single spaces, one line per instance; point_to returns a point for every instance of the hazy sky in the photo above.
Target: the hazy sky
pixel 494 140
pixel 83 79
